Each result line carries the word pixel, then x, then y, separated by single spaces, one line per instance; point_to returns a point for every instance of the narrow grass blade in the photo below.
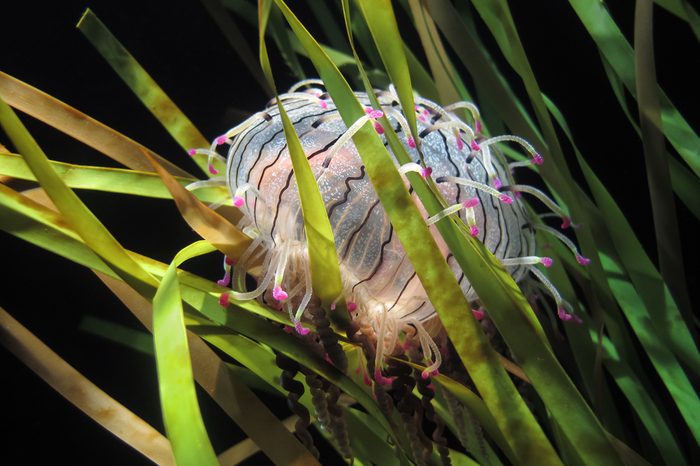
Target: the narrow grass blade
pixel 141 84
pixel 205 221
pixel 125 336
pixel 447 81
pixel 178 399
pixel 366 441
pixel 329 23
pixel 72 122
pixel 685 11
pixel 514 419
pixel 379 16
pixel 422 81
pixel 323 257
pixel 617 51
pixel 237 41
pixel 685 183
pixel 96 236
pixel 477 408
pixel 112 180
pixel 279 33
pixel 82 393
pixel 663 204
pixel 642 403
pixel 247 448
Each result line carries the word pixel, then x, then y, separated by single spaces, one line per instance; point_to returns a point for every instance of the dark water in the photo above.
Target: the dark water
pixel 186 54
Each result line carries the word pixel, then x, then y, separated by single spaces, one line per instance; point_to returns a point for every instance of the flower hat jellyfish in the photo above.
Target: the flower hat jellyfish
pixel 386 299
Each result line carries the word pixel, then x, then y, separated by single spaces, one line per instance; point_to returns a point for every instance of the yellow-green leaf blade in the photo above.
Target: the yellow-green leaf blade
pixel 142 84
pixel 379 15
pixel 181 415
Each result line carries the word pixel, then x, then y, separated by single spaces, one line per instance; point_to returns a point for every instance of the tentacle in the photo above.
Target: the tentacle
pixel 295 391
pixel 546 200
pixel 562 305
pixel 338 427
pixel 425 388
pixel 567 242
pixel 329 340
pixel 476 185
pixel 306 82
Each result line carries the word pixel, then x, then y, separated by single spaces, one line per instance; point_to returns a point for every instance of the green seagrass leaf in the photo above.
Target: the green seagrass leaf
pixel 178 399
pixel 323 257
pixel 140 82
pixel 379 16
pixel 112 180
pixel 663 204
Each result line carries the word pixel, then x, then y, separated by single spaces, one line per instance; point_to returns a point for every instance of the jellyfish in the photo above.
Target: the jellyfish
pixel 390 312
pixel 386 300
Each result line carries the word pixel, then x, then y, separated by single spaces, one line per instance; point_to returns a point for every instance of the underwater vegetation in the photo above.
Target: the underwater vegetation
pixel 376 237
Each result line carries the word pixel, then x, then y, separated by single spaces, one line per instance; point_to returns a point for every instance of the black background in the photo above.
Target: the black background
pixel 185 53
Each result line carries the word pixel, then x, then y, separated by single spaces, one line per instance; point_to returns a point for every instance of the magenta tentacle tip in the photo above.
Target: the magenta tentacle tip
pixel 238 201
pixel 378 128
pixel 374 114
pixel 565 223
pixel 212 170
pixel 474 231
pixel 352 307
pixel 381 380
pixel 221 140
pixel 323 104
pixel 411 142
pixel 426 172
pixel 537 159
pixel 582 260
pixel 460 143
pixel 497 183
pixel 301 330
pixel 546 261
pixel 279 294
pixel 471 202
pixel 224 299
pixel 226 280
pixel 477 127
pixel 478 314
pixel 563 315
pixel 192 152
pixel 505 199
pixel 474 145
